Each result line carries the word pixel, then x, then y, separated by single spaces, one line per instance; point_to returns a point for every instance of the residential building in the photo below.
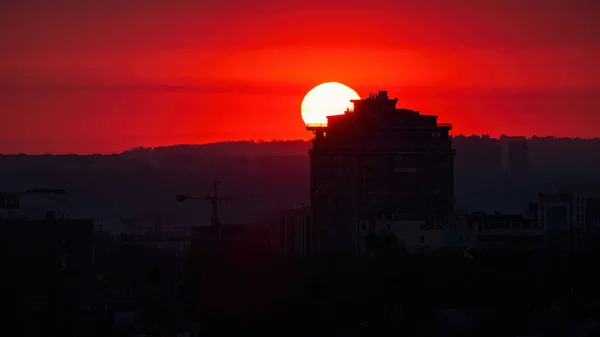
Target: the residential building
pixel 570 217
pixel 413 236
pixel 374 159
pixel 155 231
pixel 480 231
pixel 35 204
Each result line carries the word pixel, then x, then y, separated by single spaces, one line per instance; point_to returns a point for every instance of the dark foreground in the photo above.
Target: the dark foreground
pixel 149 292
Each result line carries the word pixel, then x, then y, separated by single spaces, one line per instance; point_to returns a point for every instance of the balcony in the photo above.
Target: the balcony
pixel 316 126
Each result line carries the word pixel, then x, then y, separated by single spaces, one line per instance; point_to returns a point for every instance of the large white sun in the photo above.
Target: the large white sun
pixel 327 99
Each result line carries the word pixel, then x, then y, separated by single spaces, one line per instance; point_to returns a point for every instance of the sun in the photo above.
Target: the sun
pixel 326 99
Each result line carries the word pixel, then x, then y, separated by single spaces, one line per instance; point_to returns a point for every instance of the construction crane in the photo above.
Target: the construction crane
pixel 215 200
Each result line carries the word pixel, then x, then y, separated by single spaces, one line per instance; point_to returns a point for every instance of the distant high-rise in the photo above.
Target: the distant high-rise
pixel 518 155
pixel 377 161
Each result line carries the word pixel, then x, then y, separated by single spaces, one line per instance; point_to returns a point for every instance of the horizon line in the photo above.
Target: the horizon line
pixel 264 141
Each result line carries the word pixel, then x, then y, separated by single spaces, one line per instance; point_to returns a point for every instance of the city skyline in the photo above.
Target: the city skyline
pixel 94 141
pixel 355 168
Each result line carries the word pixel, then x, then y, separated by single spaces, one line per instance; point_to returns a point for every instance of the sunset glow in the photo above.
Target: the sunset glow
pixel 156 73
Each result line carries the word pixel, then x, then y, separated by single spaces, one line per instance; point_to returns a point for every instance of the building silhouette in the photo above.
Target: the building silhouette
pixel 518 156
pixel 570 217
pixel 478 172
pixel 377 161
pixel 480 231
pixel 48 275
pixel 290 232
pixel 35 204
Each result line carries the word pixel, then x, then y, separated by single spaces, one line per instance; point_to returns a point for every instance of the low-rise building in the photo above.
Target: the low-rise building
pixel 155 231
pixel 468 232
pixel 412 235
pixel 480 231
pixel 35 204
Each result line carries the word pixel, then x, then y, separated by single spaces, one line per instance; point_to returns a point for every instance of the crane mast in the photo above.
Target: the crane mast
pixel 214 199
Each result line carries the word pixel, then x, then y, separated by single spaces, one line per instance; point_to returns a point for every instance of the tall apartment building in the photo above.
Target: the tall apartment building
pixel 377 161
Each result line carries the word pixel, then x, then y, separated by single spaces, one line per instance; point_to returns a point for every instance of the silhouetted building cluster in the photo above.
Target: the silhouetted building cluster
pixel 48 280
pixel 382 184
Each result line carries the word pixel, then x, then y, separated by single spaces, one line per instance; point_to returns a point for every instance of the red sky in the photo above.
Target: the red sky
pixel 105 75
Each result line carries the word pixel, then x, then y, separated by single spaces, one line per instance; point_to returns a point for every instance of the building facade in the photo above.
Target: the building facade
pixel 570 217
pixel 377 159
pixel 290 233
pixel 412 236
pixel 35 204
pixel 481 231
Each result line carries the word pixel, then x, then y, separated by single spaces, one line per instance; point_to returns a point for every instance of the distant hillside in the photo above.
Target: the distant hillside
pixel 239 148
pixel 143 180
